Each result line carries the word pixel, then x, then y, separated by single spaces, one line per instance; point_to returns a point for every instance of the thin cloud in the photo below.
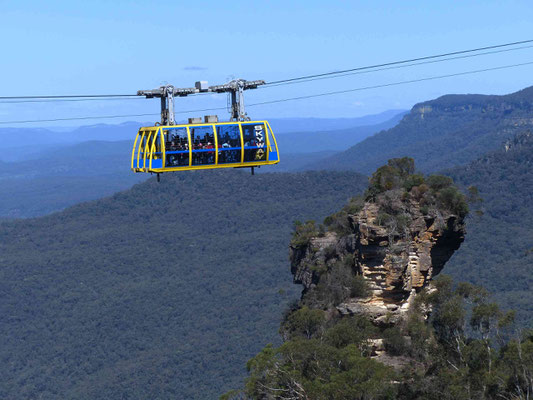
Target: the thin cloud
pixel 194 68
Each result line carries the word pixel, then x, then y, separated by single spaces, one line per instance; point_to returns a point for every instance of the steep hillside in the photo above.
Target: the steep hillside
pixel 300 151
pixel 503 236
pixel 162 291
pixel 449 131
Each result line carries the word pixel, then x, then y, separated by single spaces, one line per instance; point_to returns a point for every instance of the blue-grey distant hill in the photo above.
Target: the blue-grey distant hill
pixel 63 176
pixel 286 125
pixel 298 150
pixel 29 143
pixel 51 175
pixel 22 143
pixel 441 133
pixel 330 139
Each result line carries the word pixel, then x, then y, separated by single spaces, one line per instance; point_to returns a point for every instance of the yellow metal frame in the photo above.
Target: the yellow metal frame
pixel 147 138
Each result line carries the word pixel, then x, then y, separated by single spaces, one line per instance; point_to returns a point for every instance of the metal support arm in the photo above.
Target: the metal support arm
pixel 236 89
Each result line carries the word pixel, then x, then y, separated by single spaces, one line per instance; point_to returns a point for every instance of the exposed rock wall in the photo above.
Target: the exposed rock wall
pixel 397 259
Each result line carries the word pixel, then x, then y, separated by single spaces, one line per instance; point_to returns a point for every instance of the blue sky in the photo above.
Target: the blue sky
pixel 69 47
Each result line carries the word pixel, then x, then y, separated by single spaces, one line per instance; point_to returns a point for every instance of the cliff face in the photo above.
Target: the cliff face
pixel 449 131
pixel 395 244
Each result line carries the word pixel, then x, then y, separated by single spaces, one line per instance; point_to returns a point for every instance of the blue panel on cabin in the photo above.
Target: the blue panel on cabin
pixel 157 163
pixel 273 156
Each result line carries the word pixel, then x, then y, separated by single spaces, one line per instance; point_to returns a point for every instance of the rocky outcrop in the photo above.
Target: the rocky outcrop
pixel 396 255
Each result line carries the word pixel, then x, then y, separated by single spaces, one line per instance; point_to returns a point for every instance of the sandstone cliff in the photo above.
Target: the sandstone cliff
pixel 379 252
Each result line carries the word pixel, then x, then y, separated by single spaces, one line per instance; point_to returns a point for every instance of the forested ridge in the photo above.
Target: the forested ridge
pixel 63 176
pixel 439 134
pixel 162 291
pixel 498 250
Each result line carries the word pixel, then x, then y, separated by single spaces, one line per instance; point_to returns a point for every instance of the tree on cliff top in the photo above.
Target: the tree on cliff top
pixel 434 191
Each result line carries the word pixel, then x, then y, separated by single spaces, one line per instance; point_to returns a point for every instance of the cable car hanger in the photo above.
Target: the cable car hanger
pixel 235 87
pixel 208 144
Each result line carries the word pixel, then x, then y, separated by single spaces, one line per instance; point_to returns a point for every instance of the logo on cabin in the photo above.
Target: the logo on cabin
pixel 260 141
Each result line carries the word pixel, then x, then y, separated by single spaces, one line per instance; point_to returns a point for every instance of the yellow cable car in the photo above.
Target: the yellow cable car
pixel 187 147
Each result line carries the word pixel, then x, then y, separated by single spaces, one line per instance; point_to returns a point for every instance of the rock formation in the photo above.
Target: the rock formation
pixel 396 242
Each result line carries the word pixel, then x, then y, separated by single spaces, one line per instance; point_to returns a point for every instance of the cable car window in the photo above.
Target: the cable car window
pixel 203 145
pixel 229 144
pixel 147 142
pixel 254 136
pixel 140 149
pixel 176 147
pixel 156 140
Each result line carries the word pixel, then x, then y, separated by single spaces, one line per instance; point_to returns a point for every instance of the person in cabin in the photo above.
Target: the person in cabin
pixel 210 154
pixel 199 154
pixel 184 160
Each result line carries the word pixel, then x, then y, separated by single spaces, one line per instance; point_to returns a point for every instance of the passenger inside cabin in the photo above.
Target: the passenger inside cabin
pixel 210 154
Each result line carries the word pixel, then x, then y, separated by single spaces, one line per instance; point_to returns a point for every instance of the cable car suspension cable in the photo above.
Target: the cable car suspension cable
pixel 402 61
pixel 301 78
pixel 393 84
pixel 268 84
pixel 368 71
pixel 288 99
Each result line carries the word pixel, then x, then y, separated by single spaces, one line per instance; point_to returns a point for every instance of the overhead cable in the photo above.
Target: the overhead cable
pixel 272 83
pixel 402 61
pixel 368 71
pixel 106 116
pixel 290 98
pixel 70 100
pixel 392 84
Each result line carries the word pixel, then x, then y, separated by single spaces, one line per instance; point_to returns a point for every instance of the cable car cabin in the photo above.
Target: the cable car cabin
pixel 204 146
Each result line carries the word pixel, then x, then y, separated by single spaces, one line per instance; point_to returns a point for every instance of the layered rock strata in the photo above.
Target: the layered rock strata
pixel 397 260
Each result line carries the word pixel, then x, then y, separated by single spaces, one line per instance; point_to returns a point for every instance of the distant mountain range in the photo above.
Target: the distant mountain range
pixel 438 134
pixel 26 143
pixel 30 143
pixel 329 138
pixel 288 125
pixel 93 169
